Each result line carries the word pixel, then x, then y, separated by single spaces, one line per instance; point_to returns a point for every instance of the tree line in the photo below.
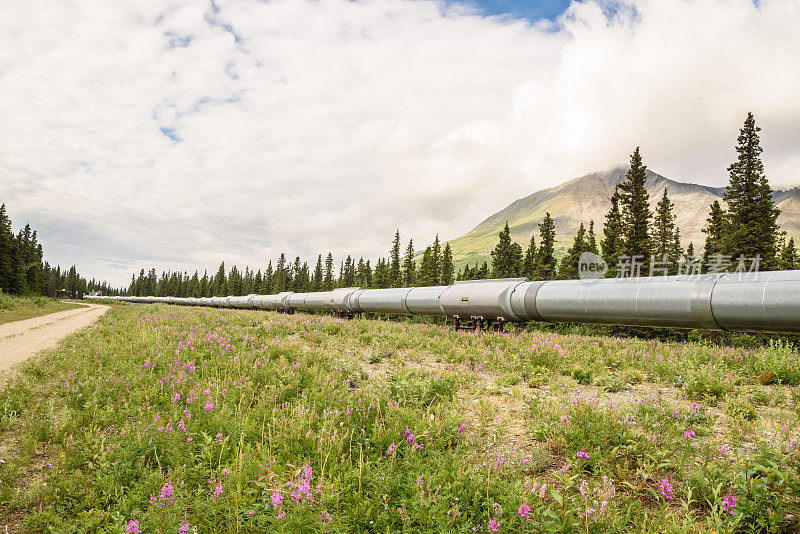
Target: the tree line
pixel 648 241
pixel 434 267
pixel 23 270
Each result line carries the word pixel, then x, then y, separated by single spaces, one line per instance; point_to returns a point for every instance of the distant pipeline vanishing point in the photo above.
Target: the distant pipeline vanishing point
pixel 757 302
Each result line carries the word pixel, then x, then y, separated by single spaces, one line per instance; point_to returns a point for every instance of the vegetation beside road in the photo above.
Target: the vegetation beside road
pixel 164 418
pixel 14 308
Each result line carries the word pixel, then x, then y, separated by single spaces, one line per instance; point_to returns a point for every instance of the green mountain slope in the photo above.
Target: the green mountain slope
pixel 588 198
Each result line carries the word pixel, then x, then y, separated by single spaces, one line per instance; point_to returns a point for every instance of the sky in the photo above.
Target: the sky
pixel 530 9
pixel 177 134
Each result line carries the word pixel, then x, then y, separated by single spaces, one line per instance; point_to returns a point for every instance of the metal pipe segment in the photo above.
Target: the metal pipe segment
pixel 759 302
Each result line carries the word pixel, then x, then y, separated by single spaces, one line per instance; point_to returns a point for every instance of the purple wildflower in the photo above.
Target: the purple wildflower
pixel 524 511
pixel 666 489
pixel 729 502
pixel 166 492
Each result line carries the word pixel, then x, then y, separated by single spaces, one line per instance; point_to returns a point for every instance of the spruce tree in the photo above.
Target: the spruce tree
pixel 591 240
pixel 361 273
pixel 483 273
pixel 715 230
pixel 507 256
pixel 6 250
pixel 18 268
pixel 347 274
pixel 666 237
pixel 409 266
pixel 529 263
pixel 269 280
pixel 636 215
pixel 368 275
pixel 568 269
pixel 220 284
pixel 436 257
pixel 300 278
pixel 675 254
pixel 394 257
pixel 204 291
pixel 380 275
pixel 447 274
pixel 328 280
pixel 545 258
pixel 427 275
pixel 613 239
pixel 752 217
pixel 318 280
pixel 790 260
pixel 281 279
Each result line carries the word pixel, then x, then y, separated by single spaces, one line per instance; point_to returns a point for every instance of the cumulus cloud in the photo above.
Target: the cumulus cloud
pixel 179 133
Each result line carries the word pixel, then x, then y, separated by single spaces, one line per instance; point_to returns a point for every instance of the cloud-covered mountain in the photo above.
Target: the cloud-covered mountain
pixel 588 197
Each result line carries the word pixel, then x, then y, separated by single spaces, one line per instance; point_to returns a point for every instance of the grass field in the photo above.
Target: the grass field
pixel 171 419
pixel 13 308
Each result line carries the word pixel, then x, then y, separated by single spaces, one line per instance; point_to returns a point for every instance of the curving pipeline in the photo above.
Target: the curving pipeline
pixel 758 302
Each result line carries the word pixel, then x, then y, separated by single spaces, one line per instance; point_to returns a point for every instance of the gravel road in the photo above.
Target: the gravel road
pixel 22 339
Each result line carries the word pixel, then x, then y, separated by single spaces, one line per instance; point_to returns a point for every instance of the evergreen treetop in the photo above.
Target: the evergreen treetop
pixel 752 218
pixel 635 211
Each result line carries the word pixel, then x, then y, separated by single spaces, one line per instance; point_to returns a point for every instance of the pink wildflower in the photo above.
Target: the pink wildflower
pixel 666 489
pixel 524 511
pixel 582 454
pixel 729 502
pixel 494 525
pixel 166 492
pixel 133 527
pixel 183 528
pixel 209 407
pixel 276 500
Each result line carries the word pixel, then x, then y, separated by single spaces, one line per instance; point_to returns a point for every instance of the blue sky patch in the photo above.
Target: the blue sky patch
pixel 171 133
pixel 529 9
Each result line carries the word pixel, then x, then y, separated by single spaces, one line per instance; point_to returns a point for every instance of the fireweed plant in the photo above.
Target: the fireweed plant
pixel 169 419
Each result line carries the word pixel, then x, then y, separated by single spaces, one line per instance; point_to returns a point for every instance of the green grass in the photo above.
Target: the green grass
pixel 163 418
pixel 13 308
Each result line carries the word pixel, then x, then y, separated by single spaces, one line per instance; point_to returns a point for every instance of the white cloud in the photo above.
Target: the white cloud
pixel 312 126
